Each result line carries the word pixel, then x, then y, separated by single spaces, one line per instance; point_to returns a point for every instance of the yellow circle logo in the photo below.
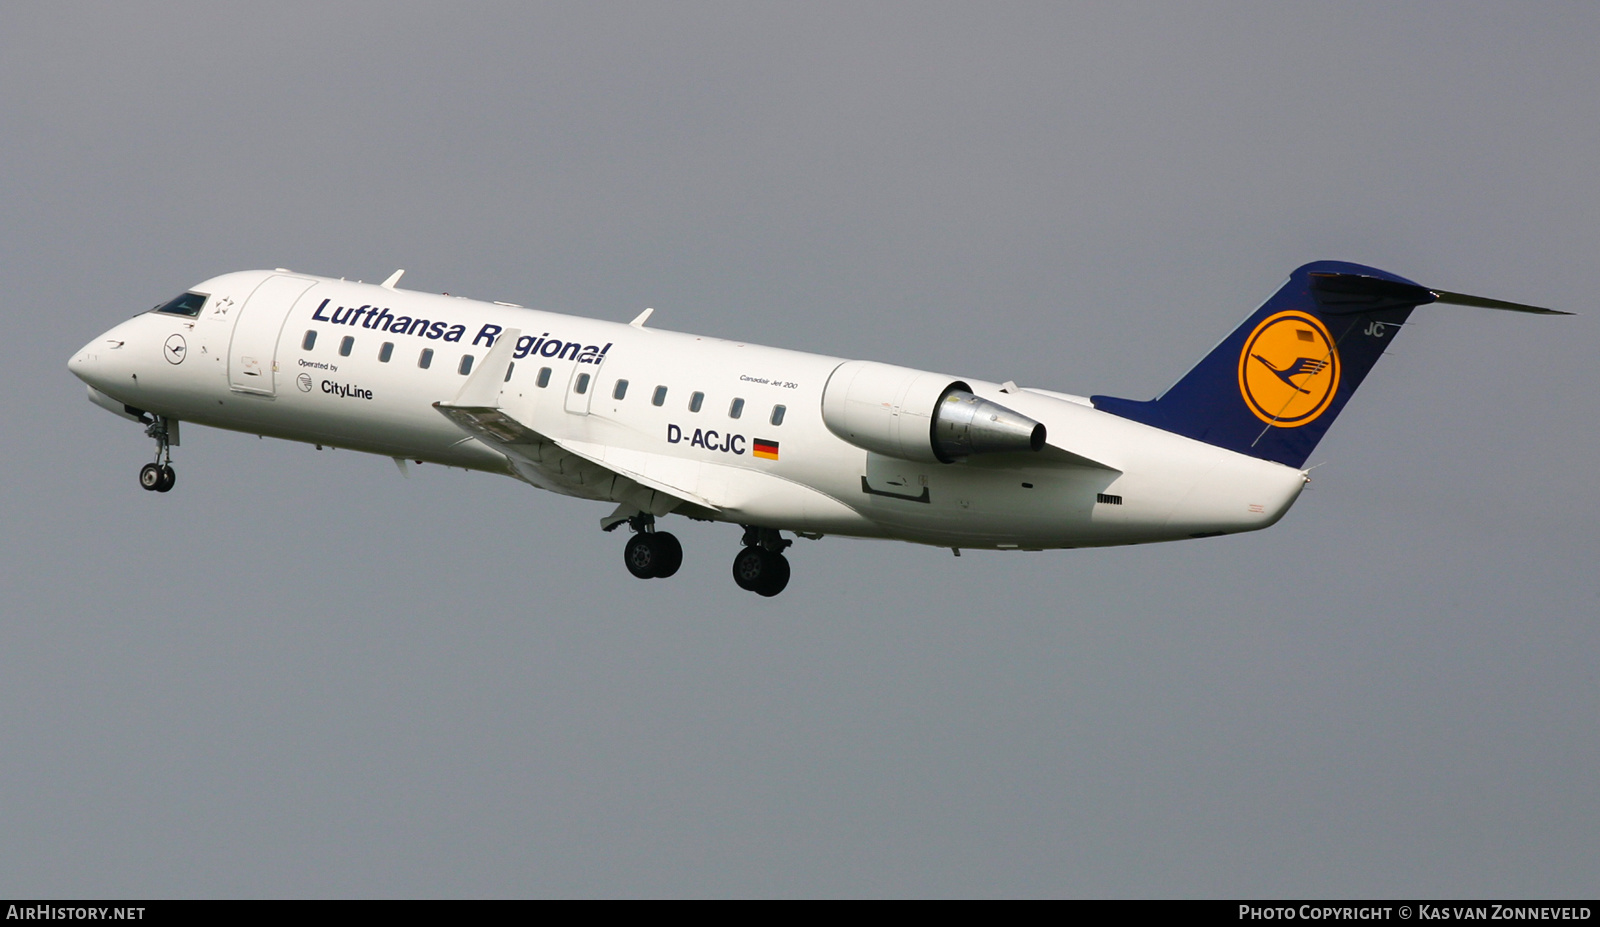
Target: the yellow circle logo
pixel 1289 370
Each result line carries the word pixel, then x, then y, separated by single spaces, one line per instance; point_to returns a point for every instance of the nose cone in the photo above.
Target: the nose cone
pixel 86 362
pixel 105 363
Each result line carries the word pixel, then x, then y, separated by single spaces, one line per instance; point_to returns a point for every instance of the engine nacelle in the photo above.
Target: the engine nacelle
pixel 965 425
pixel 917 415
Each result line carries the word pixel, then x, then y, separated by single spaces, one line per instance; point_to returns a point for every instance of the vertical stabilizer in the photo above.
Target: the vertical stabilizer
pixel 1274 385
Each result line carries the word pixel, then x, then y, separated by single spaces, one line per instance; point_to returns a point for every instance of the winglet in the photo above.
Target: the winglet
pixel 482 389
pixel 638 322
pixel 393 279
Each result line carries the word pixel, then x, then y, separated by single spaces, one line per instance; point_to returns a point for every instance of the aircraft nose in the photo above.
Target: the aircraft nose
pixel 82 363
pixel 92 362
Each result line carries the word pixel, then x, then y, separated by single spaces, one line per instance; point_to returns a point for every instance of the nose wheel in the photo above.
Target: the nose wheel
pixel 159 476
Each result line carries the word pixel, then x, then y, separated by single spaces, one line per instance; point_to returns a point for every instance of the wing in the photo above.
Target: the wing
pixel 547 462
pixel 568 466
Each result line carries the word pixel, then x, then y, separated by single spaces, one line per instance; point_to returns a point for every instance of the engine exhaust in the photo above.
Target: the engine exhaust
pixel 964 425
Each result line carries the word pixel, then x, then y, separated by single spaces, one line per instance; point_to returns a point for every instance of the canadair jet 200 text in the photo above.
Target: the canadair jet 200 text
pixel 659 423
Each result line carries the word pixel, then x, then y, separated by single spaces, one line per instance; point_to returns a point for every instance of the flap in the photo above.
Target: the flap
pixel 670 475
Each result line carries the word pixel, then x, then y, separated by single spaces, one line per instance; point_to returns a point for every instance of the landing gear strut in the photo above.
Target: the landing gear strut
pixel 761 567
pixel 651 554
pixel 159 476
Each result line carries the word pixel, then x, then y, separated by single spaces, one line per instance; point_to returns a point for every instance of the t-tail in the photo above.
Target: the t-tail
pixel 1273 387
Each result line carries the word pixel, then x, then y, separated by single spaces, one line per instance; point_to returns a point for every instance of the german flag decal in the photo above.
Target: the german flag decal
pixel 765 449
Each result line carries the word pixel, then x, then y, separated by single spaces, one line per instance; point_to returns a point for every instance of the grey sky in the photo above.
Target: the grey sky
pixel 299 674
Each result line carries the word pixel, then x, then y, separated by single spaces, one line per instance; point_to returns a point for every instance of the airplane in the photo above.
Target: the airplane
pixel 664 423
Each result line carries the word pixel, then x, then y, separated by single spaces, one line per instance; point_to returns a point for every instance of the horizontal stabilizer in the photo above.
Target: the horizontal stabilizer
pixel 1347 293
pixel 1483 302
pixel 1341 293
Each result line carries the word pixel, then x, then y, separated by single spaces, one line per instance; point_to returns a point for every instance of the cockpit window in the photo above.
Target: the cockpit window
pixel 188 304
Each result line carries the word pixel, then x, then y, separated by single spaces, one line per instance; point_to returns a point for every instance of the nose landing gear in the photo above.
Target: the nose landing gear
pixel 159 476
pixel 761 567
pixel 651 554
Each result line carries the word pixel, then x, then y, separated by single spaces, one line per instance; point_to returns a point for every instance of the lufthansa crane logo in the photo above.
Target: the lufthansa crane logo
pixel 1289 370
pixel 175 349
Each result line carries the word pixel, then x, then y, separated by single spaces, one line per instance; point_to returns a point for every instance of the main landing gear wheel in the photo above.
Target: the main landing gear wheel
pixel 761 571
pixel 671 554
pixel 655 555
pixel 157 477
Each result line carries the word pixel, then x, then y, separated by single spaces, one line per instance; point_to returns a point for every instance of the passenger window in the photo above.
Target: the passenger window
pixel 466 365
pixel 346 344
pixel 386 352
pixel 582 386
pixel 426 360
pixel 188 304
pixel 695 400
pixel 309 341
pixel 621 390
pixel 509 367
pixel 736 408
pixel 777 415
pixel 544 378
pixel 660 396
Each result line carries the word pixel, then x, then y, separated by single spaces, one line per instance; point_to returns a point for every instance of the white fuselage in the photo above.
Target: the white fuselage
pixel 242 364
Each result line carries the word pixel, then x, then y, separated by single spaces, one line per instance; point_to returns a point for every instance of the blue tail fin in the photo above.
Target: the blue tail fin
pixel 1272 388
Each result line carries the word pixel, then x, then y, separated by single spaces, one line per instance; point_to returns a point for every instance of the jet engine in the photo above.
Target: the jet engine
pixel 917 415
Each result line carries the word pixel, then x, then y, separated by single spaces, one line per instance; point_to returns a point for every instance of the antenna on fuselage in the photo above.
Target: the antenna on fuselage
pixel 638 321
pixel 393 279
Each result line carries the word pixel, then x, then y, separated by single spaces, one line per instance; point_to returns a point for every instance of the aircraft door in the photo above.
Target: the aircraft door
pixel 581 387
pixel 253 351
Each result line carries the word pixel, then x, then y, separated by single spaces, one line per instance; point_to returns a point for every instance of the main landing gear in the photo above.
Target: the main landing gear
pixel 761 567
pixel 159 476
pixel 651 554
